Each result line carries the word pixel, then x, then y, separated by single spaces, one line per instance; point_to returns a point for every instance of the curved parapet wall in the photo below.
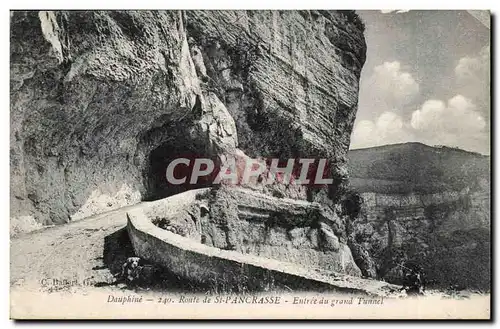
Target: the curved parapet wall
pixel 231 269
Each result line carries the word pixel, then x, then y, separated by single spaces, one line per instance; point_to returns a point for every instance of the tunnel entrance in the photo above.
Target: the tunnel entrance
pixel 159 159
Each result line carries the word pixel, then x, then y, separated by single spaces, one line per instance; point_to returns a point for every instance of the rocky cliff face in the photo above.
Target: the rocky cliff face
pixel 102 101
pixel 447 232
pixel 448 235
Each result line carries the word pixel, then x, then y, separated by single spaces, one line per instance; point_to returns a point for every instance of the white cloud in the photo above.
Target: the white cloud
pixel 454 123
pixel 388 87
pixel 473 79
pixel 401 88
pixel 390 123
pixel 459 116
pixel 388 128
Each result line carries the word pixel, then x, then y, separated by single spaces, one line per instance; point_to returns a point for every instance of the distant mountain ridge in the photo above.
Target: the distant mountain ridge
pixel 416 167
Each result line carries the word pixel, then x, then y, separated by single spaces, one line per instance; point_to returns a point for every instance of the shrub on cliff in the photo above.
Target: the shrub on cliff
pixel 354 18
pixel 351 204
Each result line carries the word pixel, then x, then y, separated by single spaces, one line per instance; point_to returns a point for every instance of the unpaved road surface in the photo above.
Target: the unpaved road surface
pixel 75 252
pixel 76 262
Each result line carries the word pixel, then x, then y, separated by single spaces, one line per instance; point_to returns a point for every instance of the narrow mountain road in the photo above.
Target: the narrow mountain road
pixel 75 252
pixel 85 254
pixel 76 262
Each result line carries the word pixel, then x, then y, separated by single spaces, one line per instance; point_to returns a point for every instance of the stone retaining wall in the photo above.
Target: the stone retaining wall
pixel 232 270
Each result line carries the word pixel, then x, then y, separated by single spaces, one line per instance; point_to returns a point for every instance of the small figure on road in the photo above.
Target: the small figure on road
pixel 413 281
pixel 131 270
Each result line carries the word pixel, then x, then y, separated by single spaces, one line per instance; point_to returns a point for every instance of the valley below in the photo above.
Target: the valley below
pixel 425 207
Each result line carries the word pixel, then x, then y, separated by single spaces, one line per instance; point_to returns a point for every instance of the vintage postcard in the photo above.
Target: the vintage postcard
pixel 232 164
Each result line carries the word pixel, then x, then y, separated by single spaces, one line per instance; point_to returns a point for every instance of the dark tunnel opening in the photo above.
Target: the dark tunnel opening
pixel 157 184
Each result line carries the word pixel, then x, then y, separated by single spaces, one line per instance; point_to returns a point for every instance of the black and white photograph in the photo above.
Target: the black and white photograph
pixel 250 164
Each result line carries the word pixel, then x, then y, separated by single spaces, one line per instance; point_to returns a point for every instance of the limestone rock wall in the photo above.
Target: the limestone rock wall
pixel 101 99
pixel 294 231
pixel 474 205
pixel 447 234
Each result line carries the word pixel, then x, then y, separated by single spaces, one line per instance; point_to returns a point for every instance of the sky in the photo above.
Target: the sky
pixel 425 79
